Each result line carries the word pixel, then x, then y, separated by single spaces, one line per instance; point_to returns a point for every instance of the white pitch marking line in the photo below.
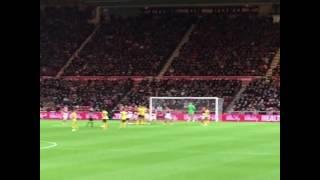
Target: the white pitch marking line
pixel 52 145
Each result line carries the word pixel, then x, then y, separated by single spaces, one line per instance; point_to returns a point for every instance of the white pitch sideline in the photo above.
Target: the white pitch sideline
pixel 52 145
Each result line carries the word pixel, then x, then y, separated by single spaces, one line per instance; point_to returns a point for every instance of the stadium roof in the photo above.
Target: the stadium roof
pixel 163 3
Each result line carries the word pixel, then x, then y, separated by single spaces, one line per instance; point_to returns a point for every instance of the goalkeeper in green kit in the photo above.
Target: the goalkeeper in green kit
pixel 191 111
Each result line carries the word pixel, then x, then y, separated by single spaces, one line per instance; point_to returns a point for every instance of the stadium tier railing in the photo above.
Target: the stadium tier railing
pixel 242 78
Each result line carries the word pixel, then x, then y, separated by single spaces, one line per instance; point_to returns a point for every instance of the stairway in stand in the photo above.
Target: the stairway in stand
pixel 60 73
pixel 275 62
pixel 176 52
pixel 237 96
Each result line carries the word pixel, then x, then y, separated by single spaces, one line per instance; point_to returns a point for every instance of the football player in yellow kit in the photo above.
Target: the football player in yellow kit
pixel 74 124
pixel 141 114
pixel 105 118
pixel 123 118
pixel 206 117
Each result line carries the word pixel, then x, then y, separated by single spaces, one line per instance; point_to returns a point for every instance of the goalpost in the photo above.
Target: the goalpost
pixel 179 104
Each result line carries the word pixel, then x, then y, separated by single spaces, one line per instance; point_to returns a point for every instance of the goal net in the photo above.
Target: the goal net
pixel 178 107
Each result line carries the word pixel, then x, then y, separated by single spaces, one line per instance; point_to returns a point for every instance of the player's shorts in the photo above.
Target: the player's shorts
pixel 123 120
pixel 134 117
pixel 90 119
pixel 140 116
pixel 104 120
pixel 204 117
pixel 65 116
pixel 167 116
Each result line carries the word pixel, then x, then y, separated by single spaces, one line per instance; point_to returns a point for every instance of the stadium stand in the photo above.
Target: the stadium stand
pixel 62 30
pixel 131 46
pixel 243 45
pixel 260 95
pixel 99 94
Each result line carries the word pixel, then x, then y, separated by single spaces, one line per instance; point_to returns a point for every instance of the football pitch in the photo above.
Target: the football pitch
pixel 182 151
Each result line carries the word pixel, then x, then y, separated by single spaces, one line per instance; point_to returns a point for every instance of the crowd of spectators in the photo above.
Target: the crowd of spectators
pixel 260 95
pixel 62 30
pixel 219 45
pixel 56 93
pixel 181 88
pixel 131 46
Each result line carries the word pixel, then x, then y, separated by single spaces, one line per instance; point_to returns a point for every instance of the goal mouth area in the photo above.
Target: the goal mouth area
pixel 178 107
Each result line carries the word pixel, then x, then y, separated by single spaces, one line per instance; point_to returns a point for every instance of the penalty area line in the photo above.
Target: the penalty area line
pixel 51 145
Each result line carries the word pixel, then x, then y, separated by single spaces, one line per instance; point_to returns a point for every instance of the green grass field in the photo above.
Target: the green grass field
pixel 221 151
